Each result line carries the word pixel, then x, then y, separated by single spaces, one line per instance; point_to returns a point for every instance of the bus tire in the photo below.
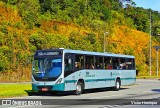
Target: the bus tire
pixel 117 85
pixel 79 88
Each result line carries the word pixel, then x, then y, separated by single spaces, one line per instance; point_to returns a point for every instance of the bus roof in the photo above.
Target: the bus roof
pixel 97 53
pixel 87 52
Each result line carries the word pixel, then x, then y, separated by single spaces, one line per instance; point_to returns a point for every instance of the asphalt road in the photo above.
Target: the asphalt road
pixel 143 94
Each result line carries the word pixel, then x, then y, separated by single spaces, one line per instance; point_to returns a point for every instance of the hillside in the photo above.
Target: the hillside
pixel 20 38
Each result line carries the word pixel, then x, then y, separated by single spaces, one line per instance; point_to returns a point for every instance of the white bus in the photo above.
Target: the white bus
pixel 76 70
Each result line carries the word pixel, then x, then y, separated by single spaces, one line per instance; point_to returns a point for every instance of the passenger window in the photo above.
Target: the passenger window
pixel 79 62
pixel 115 63
pixel 130 63
pixel 122 63
pixel 108 63
pixel 98 62
pixel 89 62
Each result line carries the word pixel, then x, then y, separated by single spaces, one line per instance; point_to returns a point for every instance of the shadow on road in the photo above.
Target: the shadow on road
pixel 156 90
pixel 36 93
pixel 97 90
pixel 49 93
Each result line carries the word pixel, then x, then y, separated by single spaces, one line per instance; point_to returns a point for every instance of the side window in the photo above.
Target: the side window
pixel 130 63
pixel 68 62
pixel 108 63
pixel 89 62
pixel 115 63
pixel 98 62
pixel 79 62
pixel 122 63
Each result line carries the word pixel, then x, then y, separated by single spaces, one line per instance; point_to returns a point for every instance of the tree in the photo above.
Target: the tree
pixel 29 11
pixel 13 2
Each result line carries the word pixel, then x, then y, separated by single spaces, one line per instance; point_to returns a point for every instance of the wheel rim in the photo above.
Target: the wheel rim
pixel 79 88
pixel 117 85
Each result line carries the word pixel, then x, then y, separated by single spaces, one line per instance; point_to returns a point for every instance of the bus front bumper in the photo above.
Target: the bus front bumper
pixel 57 87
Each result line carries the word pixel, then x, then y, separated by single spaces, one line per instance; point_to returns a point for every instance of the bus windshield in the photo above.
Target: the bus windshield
pixel 47 69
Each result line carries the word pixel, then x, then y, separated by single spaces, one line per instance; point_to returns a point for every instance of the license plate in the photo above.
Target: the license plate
pixel 44 89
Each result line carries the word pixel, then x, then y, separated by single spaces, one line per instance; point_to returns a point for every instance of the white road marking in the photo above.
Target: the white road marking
pixel 108 106
pixel 106 96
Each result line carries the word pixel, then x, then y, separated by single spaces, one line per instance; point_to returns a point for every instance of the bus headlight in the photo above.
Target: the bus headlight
pixel 59 81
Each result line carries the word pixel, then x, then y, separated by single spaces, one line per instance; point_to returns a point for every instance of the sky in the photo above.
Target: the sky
pixel 152 4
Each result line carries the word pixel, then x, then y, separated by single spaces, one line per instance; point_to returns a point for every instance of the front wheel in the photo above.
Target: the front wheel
pixel 117 85
pixel 79 88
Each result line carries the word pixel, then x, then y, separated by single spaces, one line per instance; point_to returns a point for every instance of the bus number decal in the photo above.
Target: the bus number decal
pixel 88 75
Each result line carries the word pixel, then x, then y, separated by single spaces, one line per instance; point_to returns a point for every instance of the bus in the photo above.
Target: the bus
pixel 62 69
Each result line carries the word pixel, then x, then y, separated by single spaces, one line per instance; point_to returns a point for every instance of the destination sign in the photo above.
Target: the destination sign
pixel 47 53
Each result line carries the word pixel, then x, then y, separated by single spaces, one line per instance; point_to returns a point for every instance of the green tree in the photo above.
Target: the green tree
pixel 29 11
pixel 13 2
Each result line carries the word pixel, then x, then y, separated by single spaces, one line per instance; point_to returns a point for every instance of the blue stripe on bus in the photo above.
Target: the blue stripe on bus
pixel 70 81
pixel 127 78
pixel 94 80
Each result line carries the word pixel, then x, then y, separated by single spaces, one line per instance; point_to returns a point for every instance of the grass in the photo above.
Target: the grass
pixel 14 90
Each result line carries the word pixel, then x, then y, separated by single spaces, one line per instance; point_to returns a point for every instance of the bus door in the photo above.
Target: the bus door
pixel 68 64
pixel 69 75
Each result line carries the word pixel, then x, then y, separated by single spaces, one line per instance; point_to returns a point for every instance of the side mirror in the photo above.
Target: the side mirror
pixel 33 64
